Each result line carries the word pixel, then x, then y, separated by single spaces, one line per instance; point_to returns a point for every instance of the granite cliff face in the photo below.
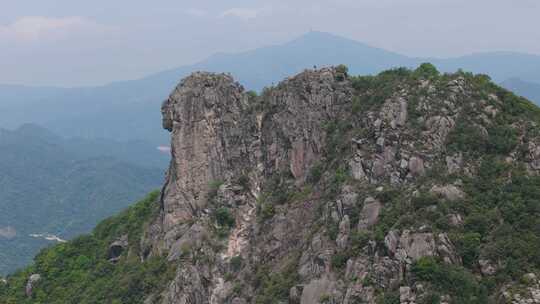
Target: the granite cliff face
pixel 306 171
pixel 405 187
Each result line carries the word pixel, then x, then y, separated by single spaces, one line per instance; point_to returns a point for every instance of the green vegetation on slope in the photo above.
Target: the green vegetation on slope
pixel 79 271
pixel 48 188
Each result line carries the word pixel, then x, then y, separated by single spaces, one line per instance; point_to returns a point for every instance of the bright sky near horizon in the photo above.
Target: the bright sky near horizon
pixel 72 43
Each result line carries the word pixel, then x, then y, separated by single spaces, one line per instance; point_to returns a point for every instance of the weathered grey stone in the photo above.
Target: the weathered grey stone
pixel 370 213
pixel 344 232
pixel 357 169
pixel 188 242
pixel 33 280
pixel 454 163
pixel 416 245
pixel 378 167
pixel 416 166
pixel 455 220
pixel 528 292
pixel 360 294
pixel 406 295
pixel 391 240
pixel 448 192
pixel 446 250
pixel 486 267
pixel 116 248
pixel 314 290
pixel 295 293
pixel 394 112
pixel 273 141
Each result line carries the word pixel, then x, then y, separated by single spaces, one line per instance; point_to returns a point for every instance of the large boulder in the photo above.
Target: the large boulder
pixel 31 283
pixel 370 213
pixel 448 192
pixel 416 166
pixel 411 246
pixel 116 248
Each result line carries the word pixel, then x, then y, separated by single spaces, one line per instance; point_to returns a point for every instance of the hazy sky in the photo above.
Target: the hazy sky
pixel 76 42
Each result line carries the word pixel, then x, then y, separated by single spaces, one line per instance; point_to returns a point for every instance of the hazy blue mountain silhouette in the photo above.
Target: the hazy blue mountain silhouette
pixel 129 110
pixel 526 89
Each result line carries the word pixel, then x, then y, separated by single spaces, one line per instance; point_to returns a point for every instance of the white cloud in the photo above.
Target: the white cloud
pixel 195 12
pixel 33 28
pixel 242 13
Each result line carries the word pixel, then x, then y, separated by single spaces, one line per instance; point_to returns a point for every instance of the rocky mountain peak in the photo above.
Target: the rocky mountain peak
pixel 405 187
pixel 309 152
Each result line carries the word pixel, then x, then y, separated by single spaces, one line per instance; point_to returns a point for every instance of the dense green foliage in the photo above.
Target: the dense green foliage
pixel 450 279
pixel 79 272
pixel 48 186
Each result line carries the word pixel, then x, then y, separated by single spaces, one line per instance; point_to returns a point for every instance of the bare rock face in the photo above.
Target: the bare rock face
pixel 116 248
pixel 344 232
pixel 315 290
pixel 455 220
pixel 303 105
pixel 370 213
pixel 487 267
pixel 357 169
pixel 448 192
pixel 204 114
pixel 411 246
pixel 264 163
pixel 416 245
pixel 533 157
pixel 218 136
pixel 454 163
pixel 416 166
pixel 527 292
pixel 406 295
pixel 31 283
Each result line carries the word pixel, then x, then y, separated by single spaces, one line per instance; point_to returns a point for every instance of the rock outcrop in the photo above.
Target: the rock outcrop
pixel 244 153
pixel 31 283
pixel 117 248
pixel 407 187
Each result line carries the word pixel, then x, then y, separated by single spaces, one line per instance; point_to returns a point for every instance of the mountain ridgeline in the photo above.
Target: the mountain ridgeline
pixel 127 110
pixel 410 186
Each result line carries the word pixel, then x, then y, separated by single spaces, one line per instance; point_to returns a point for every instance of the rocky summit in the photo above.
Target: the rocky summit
pixel 405 187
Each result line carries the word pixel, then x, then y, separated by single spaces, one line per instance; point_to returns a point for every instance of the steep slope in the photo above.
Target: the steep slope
pixel 82 271
pixel 406 187
pixel 128 110
pixel 48 187
pixel 529 90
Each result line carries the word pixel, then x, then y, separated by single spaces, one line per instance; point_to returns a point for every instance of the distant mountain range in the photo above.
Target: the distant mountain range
pixel 129 110
pixel 50 186
pixel 526 89
pixel 44 172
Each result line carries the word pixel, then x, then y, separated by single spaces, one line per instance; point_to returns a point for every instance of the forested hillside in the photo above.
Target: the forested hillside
pixel 54 186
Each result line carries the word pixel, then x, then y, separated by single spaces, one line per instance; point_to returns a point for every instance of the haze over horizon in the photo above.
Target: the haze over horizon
pixel 63 43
